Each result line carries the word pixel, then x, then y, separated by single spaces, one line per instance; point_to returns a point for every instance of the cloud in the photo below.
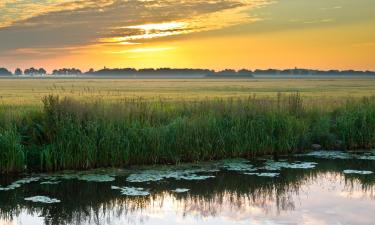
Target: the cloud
pixel 54 25
pixel 318 21
pixel 12 11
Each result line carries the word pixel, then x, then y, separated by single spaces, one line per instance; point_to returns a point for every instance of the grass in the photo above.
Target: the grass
pixel 28 92
pixel 67 133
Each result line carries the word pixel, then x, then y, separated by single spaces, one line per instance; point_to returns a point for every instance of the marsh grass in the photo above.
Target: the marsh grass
pixel 71 134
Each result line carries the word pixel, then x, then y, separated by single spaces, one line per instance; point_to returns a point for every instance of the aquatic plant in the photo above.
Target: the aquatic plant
pixel 131 191
pixel 272 165
pixel 181 190
pixel 361 172
pixel 264 174
pixel 42 199
pixel 158 175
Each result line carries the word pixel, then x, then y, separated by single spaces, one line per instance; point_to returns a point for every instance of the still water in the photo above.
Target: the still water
pixel 320 188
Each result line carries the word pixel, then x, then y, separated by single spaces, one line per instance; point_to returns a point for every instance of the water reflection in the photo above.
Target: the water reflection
pixel 324 195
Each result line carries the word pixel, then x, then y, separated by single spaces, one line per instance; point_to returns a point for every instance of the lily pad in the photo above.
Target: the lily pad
pixel 181 190
pixel 147 176
pixel 50 182
pixel 264 174
pixel 96 178
pixel 339 155
pixel 366 157
pixel 238 165
pixel 131 191
pixel 158 175
pixel 360 172
pixel 43 199
pixel 272 165
pixel 19 183
pixel 329 155
pixel 194 177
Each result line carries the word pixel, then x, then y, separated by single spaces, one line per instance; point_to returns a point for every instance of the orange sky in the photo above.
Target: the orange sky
pixel 217 34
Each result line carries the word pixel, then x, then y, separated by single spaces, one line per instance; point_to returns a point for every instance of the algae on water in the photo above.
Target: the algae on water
pixel 19 183
pixel 238 165
pixel 158 175
pixel 329 155
pixel 50 182
pixel 131 191
pixel 360 172
pixel 272 165
pixel 339 155
pixel 181 190
pixel 42 199
pixel 264 174
pixel 96 178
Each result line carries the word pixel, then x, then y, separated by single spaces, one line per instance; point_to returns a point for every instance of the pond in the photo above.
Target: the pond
pixel 317 188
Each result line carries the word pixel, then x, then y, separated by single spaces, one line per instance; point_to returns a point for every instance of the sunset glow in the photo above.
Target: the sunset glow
pixel 337 34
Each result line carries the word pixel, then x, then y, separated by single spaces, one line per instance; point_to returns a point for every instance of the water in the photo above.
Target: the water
pixel 301 190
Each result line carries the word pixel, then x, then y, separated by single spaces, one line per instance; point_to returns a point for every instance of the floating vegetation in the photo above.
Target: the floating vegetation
pixel 96 178
pixel 131 191
pixel 181 190
pixel 19 183
pixel 10 187
pixel 239 165
pixel 158 175
pixel 56 179
pixel 329 155
pixel 43 199
pixel 366 157
pixel 50 182
pixel 264 174
pixel 147 176
pixel 194 177
pixel 360 172
pixel 338 155
pixel 272 165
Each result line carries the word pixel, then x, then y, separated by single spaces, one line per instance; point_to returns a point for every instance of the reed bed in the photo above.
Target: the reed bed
pixel 72 134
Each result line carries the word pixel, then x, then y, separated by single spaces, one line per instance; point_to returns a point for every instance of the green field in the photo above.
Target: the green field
pixel 30 91
pixel 84 124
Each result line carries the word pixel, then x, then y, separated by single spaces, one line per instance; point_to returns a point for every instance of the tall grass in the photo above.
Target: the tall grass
pixel 12 153
pixel 69 134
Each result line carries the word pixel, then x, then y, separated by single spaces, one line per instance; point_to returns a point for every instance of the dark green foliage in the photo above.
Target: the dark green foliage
pixel 356 124
pixel 68 134
pixel 12 155
pixel 320 130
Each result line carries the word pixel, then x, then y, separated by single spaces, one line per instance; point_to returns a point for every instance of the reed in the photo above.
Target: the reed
pixel 72 134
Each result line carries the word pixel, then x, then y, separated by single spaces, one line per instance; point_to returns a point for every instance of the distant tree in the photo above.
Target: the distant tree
pixel 18 72
pixel 245 72
pixel 42 71
pixel 91 71
pixel 5 72
pixel 227 72
pixel 65 71
pixel 32 71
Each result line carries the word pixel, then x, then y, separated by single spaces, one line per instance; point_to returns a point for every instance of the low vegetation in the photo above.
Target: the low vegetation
pixel 72 134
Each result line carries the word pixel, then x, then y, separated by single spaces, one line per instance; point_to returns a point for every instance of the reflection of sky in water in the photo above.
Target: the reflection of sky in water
pixel 326 199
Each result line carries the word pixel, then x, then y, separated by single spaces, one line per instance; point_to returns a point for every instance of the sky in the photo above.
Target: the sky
pixel 214 34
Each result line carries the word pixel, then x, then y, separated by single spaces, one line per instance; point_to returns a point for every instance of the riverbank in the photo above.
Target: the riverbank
pixel 71 134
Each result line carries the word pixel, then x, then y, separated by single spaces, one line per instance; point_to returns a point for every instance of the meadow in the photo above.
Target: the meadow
pixel 30 91
pixel 58 124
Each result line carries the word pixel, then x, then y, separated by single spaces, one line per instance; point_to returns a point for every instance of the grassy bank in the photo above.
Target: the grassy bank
pixel 70 134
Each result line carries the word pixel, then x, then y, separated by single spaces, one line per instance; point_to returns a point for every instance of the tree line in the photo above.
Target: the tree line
pixel 41 71
pixel 187 72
